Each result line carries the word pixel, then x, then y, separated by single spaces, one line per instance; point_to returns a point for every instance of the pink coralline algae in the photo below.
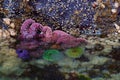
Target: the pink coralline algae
pixel 44 35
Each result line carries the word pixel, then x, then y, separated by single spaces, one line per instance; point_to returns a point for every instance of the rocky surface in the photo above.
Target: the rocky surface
pixel 101 59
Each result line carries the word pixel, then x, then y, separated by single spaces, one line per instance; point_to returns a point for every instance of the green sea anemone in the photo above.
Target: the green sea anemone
pixel 52 55
pixel 75 52
pixel 84 77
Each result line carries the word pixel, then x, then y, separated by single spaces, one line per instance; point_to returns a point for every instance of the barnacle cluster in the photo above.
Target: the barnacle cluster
pixel 107 12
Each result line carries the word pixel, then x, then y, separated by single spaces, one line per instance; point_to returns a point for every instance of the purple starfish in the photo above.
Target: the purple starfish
pixel 30 30
pixel 28 44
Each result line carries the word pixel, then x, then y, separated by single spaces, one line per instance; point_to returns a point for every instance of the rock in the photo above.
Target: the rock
pixel 98 47
pixel 6 20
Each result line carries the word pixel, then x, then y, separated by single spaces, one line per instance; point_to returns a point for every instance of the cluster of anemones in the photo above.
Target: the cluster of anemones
pixel 35 38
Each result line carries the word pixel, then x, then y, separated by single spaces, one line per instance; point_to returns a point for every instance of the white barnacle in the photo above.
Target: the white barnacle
pixel 6 21
pixel 116 4
pixel 114 10
pixel 102 5
pixel 12 25
pixel 117 27
pixel 12 32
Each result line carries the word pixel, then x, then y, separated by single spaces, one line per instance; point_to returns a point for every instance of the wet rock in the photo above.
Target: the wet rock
pixel 115 53
pixel 110 66
pixel 2 15
pixel 114 68
pixel 47 73
pixel 83 58
pixel 119 40
pixel 103 35
pixel 98 47
pixel 11 6
pixel 94 73
pixel 68 14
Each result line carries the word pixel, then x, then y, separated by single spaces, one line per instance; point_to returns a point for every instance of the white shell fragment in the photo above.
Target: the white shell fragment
pixel 116 4
pixel 117 27
pixel 12 32
pixel 6 21
pixel 102 5
pixel 12 25
pixel 114 10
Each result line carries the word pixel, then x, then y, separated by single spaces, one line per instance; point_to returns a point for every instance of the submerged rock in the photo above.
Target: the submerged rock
pixel 115 53
pixel 71 13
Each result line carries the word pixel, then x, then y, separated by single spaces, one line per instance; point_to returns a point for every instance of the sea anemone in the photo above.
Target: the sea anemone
pixel 52 55
pixel 75 52
pixel 23 54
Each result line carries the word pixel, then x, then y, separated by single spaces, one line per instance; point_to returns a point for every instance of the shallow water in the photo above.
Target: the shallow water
pixel 59 40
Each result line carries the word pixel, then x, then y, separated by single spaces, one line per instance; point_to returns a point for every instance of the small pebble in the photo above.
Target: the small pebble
pixel 118 31
pixel 117 26
pixel 7 21
pixel 12 25
pixel 114 11
pixel 116 4
pixel 102 5
pixel 12 32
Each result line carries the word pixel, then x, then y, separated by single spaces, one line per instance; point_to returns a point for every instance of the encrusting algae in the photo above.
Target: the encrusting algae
pixel 10 63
